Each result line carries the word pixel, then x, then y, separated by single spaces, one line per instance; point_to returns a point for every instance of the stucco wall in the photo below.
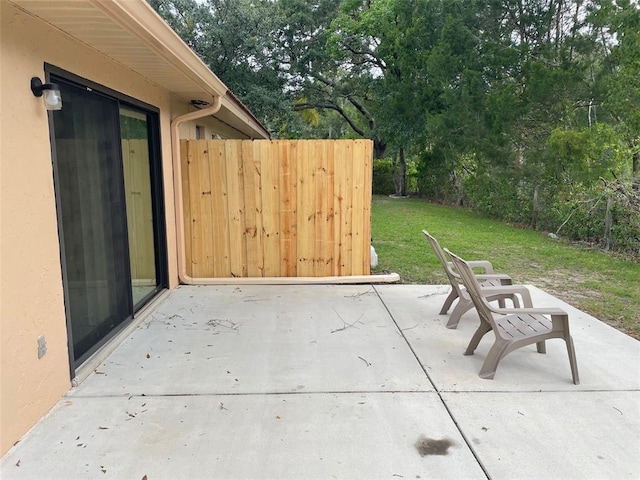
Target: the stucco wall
pixel 212 126
pixel 31 295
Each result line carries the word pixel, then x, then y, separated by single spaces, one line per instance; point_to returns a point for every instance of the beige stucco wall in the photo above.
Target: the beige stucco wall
pixel 212 126
pixel 31 296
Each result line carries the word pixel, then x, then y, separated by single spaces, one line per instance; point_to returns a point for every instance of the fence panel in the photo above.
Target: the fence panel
pixel 281 208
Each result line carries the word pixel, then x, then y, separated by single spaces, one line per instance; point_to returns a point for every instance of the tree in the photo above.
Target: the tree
pixel 617 23
pixel 235 38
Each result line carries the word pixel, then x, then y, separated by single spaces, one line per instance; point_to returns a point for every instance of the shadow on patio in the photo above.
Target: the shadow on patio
pixel 338 382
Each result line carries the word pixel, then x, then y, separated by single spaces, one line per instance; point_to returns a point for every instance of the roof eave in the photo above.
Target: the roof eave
pixel 142 21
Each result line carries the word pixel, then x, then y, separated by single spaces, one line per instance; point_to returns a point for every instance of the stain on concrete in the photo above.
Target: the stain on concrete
pixel 429 446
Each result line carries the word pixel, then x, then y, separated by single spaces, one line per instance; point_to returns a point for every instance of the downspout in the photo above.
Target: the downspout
pixel 177 182
pixel 185 279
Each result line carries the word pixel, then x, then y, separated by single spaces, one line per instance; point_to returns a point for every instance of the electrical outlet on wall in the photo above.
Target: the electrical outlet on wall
pixel 42 346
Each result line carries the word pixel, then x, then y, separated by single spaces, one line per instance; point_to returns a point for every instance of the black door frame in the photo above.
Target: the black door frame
pixel 157 195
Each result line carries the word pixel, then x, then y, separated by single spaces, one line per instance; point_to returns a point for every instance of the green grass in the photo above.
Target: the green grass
pixel 601 284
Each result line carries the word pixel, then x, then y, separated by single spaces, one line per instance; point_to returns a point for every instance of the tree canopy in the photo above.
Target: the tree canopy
pixel 528 110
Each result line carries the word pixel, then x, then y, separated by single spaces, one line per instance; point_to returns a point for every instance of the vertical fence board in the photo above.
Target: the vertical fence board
pixel 324 235
pixel 306 210
pixel 367 158
pixel 329 210
pixel 337 208
pixel 253 207
pixel 196 218
pixel 235 191
pixel 220 210
pixel 206 244
pixel 288 230
pixel 270 208
pixel 277 208
pixel 344 162
pixel 357 217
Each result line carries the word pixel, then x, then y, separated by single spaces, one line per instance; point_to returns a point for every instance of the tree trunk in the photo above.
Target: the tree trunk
pixel 636 163
pixel 395 174
pixel 536 207
pixel 403 173
pixel 520 155
pixel 400 174
pixel 379 148
pixel 608 222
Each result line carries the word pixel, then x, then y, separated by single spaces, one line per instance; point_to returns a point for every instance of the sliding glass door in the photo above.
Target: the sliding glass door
pixel 134 134
pixel 108 194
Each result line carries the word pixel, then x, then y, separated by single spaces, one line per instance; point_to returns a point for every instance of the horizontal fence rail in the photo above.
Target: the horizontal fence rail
pixel 277 208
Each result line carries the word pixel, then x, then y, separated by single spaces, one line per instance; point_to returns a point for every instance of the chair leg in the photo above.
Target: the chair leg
pixel 542 347
pixel 572 359
pixel 460 309
pixel 496 353
pixel 447 303
pixel 482 330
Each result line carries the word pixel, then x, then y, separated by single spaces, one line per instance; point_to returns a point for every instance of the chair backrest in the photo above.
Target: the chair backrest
pixel 443 259
pixel 473 288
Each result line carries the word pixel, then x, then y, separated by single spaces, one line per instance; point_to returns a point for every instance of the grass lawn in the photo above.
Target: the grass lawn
pixel 601 284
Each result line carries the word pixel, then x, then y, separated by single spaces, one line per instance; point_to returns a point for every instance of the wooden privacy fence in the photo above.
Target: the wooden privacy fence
pixel 283 208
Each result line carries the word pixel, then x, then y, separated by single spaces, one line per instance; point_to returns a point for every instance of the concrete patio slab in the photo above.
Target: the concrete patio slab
pixel 289 436
pixel 262 339
pixel 338 382
pixel 562 435
pixel 607 358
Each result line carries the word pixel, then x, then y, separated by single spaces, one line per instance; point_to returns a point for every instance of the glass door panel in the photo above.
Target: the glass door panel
pixel 91 210
pixel 134 133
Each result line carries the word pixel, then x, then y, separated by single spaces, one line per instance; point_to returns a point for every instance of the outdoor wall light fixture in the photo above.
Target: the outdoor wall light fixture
pixel 50 92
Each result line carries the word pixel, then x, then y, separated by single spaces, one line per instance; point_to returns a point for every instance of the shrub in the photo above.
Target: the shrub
pixel 383 177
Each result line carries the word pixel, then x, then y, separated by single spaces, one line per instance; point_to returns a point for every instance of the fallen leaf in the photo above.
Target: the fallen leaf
pixel 18 463
pixel 144 478
pixel 148 356
pixel 278 417
pixel 103 428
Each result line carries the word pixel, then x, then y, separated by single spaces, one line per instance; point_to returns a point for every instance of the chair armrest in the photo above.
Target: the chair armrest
pixel 492 276
pixel 514 289
pixel 533 311
pixel 486 264
pixel 488 269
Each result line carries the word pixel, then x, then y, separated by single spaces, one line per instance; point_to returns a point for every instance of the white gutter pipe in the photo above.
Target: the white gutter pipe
pixel 177 182
pixel 179 211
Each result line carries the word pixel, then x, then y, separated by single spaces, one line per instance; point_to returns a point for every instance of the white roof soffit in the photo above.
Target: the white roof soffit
pixel 134 35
